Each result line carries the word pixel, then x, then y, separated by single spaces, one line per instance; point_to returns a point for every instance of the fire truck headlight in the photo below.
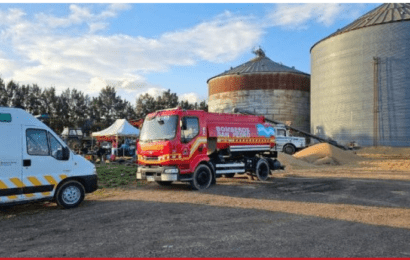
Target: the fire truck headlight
pixel 171 170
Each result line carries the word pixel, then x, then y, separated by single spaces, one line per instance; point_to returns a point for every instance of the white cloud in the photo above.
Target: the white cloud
pixel 79 15
pixel 156 91
pixel 191 98
pixel 218 40
pixel 66 51
pixel 298 15
pixel 94 27
pixel 55 51
pixel 113 10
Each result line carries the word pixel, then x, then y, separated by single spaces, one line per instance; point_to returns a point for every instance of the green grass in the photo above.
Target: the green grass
pixel 111 176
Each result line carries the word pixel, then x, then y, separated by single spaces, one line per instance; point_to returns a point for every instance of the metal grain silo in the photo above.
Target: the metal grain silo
pixel 361 80
pixel 264 87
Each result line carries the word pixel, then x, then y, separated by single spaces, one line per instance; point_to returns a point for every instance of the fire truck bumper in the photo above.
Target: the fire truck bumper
pixel 158 173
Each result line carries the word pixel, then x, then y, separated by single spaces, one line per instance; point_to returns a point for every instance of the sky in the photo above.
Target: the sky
pixel 151 47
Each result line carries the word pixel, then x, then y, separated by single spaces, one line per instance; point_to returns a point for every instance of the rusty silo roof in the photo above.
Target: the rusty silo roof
pixel 259 64
pixel 385 13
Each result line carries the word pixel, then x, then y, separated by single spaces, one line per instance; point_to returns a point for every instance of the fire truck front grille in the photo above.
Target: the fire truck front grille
pixel 151 158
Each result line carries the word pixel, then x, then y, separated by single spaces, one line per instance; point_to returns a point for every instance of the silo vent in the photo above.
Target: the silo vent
pixel 259 52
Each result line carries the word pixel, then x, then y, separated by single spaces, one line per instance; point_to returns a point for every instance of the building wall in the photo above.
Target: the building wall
pixel 280 80
pixel 288 106
pixel 342 85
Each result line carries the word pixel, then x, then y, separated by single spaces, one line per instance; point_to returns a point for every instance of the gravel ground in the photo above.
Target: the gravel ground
pixel 286 217
pixel 319 211
pixel 128 228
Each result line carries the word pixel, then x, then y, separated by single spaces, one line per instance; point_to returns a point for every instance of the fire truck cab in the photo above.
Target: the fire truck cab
pixel 199 147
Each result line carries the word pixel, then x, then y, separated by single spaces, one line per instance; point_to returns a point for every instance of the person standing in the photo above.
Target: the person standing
pixel 100 153
pixel 114 147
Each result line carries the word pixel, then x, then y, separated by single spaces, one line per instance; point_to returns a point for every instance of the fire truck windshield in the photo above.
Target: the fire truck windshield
pixel 159 128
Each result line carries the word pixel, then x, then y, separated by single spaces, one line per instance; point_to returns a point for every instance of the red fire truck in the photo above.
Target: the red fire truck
pixel 198 147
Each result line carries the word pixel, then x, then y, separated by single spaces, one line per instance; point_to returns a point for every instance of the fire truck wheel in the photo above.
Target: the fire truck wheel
pixel 230 175
pixel 262 169
pixel 289 149
pixel 164 183
pixel 202 178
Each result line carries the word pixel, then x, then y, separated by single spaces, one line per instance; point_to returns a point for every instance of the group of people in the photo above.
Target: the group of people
pixel 102 153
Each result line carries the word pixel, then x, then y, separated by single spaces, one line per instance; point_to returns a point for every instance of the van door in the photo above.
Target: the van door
pixel 10 162
pixel 45 166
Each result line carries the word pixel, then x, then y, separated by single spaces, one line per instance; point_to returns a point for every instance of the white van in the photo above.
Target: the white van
pixel 35 164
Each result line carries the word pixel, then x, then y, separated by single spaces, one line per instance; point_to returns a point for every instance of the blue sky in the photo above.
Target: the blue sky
pixel 140 48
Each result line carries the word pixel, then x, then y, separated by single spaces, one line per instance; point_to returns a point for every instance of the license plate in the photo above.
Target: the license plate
pixel 150 178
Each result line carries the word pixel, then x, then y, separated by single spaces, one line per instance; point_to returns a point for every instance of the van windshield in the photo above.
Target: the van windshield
pixel 159 128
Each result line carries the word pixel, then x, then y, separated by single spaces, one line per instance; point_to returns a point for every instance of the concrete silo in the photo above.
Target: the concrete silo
pixel 360 85
pixel 263 87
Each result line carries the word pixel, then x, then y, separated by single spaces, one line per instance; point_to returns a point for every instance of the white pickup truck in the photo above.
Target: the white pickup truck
pixel 286 143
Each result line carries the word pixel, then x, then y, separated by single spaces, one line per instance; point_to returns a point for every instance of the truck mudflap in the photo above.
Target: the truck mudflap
pixel 160 173
pixel 274 164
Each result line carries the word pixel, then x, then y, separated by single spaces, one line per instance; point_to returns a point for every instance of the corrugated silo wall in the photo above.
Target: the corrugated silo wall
pixel 280 96
pixel 343 86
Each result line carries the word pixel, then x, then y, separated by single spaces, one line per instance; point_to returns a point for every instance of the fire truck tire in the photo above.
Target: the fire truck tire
pixel 289 149
pixel 164 183
pixel 70 194
pixel 262 169
pixel 202 178
pixel 230 175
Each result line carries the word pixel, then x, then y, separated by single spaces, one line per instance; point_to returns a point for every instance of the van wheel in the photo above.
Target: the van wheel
pixel 289 149
pixel 262 169
pixel 202 178
pixel 70 194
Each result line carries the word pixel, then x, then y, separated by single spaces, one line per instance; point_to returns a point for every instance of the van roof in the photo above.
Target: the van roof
pixel 21 117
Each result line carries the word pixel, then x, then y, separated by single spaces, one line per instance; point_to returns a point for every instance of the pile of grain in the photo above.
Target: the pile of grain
pixel 293 163
pixel 325 153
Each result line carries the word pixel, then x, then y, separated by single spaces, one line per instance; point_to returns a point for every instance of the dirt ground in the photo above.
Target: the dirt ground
pixel 337 191
pixel 381 163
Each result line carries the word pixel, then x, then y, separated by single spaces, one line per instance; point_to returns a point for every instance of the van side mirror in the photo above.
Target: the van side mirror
pixel 66 154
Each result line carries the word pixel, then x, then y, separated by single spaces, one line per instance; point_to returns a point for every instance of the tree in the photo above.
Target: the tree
pixel 203 106
pixel 108 105
pixel 32 99
pixel 3 94
pixel 14 94
pixel 145 104
pixel 186 105
pixel 167 100
pixel 78 104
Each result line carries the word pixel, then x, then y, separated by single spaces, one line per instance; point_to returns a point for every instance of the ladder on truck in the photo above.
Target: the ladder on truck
pixel 320 139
